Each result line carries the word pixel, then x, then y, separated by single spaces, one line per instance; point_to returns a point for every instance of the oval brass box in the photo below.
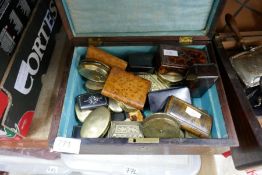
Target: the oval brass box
pixel 81 114
pixel 97 124
pixel 114 106
pixel 95 86
pixel 93 71
pixel 161 125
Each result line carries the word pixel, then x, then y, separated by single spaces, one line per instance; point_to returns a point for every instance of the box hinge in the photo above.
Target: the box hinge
pixel 185 39
pixel 94 41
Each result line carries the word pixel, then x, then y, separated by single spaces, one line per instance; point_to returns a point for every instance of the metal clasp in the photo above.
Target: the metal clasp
pixel 94 41
pixel 185 39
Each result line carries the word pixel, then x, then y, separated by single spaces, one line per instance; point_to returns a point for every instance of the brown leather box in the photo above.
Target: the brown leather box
pixel 140 27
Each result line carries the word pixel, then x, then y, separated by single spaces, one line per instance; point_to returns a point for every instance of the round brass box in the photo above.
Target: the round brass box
pixel 161 125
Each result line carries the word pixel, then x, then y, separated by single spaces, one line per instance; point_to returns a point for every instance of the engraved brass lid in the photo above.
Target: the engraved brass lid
pixel 114 106
pixel 81 114
pixel 124 129
pixel 170 77
pixel 161 125
pixel 96 124
pixel 126 107
pixel 94 86
pixel 93 71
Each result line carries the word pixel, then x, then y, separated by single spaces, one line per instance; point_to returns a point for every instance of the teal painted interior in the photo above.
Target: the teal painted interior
pixel 209 101
pixel 112 18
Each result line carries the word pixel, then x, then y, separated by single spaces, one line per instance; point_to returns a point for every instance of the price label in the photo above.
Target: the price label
pixel 192 112
pixel 52 170
pixel 130 171
pixel 170 52
pixel 67 145
pixel 251 172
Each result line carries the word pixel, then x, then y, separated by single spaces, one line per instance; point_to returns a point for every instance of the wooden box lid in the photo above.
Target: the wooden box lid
pixel 125 19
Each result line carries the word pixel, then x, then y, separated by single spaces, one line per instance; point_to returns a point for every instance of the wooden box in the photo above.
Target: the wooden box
pixel 247 123
pixel 121 27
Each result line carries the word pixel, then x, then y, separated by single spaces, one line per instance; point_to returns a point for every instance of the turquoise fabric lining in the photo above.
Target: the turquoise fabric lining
pixel 140 17
pixel 75 86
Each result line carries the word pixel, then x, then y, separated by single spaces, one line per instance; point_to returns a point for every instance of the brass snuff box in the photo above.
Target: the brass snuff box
pixel 190 117
pixel 114 106
pixel 93 71
pixel 248 66
pixel 81 114
pixel 124 129
pixel 161 125
pixel 96 124
pixel 93 85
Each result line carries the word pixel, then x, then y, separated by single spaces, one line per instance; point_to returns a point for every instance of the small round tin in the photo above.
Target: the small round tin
pixel 170 78
pixel 93 71
pixel 114 106
pixel 96 124
pixel 161 125
pixel 94 86
pixel 126 107
pixel 81 114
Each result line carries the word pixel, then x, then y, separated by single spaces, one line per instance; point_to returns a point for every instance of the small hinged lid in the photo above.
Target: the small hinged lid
pixel 136 18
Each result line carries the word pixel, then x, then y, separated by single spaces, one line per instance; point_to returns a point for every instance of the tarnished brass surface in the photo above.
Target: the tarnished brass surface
pixel 93 71
pixel 81 114
pixel 96 124
pixel 161 125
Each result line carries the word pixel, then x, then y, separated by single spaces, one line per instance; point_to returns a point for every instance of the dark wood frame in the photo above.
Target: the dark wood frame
pixel 165 146
pixel 248 129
